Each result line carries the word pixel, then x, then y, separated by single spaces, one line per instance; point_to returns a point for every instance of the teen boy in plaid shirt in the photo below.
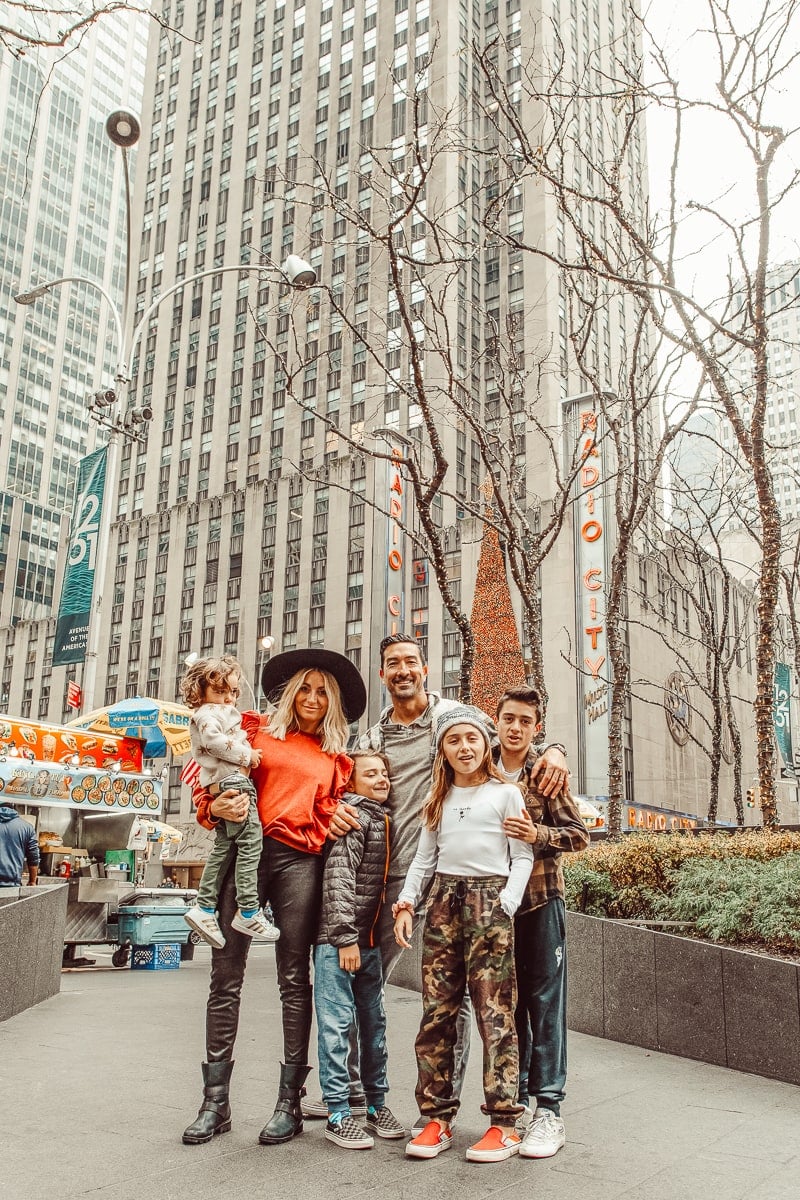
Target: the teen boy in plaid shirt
pixel 553 826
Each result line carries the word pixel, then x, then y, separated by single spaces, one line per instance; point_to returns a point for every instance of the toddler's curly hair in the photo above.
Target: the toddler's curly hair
pixel 204 673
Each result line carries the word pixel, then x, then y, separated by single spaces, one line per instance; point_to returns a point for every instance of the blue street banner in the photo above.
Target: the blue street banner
pixel 72 627
pixel 782 718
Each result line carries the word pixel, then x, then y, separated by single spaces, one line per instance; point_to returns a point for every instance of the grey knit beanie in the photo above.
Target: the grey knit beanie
pixel 465 714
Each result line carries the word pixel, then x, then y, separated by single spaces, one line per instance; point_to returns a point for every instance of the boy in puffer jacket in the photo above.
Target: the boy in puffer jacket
pixel 348 977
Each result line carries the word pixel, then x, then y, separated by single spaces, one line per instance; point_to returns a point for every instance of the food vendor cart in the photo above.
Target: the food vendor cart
pixel 82 791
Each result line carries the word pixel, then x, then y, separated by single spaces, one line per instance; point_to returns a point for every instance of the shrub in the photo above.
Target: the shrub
pixel 739 901
pixel 743 887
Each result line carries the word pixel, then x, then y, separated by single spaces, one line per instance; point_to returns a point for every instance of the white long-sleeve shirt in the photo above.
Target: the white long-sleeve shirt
pixel 470 841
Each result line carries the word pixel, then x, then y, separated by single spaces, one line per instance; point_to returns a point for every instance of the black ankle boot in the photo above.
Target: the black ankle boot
pixel 287 1120
pixel 215 1111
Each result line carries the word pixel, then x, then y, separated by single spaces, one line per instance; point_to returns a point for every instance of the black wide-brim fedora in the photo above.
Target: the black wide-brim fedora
pixel 280 669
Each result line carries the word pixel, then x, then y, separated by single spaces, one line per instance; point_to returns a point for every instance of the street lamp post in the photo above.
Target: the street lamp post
pixel 106 406
pixel 266 645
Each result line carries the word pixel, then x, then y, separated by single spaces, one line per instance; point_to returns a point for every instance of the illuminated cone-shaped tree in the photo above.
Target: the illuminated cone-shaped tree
pixel 498 653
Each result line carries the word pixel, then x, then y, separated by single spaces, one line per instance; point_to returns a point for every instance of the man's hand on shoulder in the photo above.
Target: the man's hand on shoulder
pixel 343 820
pixel 550 773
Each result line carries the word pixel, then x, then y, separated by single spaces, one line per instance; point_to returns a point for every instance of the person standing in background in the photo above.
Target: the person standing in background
pixel 18 846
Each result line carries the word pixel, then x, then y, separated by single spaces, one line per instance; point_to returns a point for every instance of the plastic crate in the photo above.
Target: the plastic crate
pixel 145 926
pixel 158 957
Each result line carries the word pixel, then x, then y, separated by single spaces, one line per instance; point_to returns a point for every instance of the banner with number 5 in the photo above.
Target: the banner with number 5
pixel 72 627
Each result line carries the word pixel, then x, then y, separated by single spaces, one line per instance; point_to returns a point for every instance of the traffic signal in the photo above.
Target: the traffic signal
pixel 751 798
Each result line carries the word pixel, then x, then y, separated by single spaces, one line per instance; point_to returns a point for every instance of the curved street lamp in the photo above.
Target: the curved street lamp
pixel 105 407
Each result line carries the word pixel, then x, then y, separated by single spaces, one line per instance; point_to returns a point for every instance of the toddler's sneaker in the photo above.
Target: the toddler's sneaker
pixel 383 1123
pixel 255 927
pixel 495 1145
pixel 346 1132
pixel 432 1141
pixel 205 923
pixel 545 1135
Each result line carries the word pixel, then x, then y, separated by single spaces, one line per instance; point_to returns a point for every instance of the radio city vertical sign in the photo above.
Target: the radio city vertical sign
pixel 395 545
pixel 592 547
pixel 72 626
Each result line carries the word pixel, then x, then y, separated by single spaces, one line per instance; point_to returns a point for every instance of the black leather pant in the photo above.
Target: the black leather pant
pixel 292 882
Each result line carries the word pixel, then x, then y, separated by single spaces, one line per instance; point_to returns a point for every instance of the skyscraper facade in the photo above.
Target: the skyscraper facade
pixel 62 214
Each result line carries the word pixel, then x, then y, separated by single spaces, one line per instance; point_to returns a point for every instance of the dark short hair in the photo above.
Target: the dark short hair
pixel 399 639
pixel 524 694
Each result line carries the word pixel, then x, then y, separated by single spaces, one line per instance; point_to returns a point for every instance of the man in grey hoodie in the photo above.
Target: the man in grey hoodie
pixel 18 845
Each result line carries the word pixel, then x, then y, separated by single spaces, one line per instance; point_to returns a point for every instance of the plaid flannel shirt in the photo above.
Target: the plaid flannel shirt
pixel 560 830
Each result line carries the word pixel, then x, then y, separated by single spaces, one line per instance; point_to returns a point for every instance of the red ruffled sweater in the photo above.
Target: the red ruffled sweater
pixel 298 786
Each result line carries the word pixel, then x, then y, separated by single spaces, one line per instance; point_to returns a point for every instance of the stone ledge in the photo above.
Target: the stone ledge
pixel 684 997
pixel 32 923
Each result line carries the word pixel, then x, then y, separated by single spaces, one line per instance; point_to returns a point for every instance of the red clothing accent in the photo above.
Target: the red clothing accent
pixel 298 786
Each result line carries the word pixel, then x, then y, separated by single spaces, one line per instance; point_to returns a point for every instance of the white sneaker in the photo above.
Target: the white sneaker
pixel 255 927
pixel 545 1135
pixel 206 925
pixel 523 1121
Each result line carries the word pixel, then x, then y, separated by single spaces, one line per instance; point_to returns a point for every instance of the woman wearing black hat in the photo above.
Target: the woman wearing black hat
pixel 299 781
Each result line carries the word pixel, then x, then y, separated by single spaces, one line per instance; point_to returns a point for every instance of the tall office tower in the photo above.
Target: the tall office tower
pixel 362 136
pixel 257 506
pixel 62 214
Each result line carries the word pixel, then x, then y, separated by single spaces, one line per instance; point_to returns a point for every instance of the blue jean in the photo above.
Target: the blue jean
pixel 339 997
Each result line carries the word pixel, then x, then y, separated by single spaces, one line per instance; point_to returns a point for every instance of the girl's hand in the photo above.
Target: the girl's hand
pixel 349 958
pixel 521 827
pixel 230 806
pixel 403 923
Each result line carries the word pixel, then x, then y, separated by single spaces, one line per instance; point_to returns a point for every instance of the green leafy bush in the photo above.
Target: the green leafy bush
pixel 737 888
pixel 739 900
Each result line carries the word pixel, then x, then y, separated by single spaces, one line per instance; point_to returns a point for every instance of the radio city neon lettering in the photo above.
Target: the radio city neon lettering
pixel 591 533
pixel 394 551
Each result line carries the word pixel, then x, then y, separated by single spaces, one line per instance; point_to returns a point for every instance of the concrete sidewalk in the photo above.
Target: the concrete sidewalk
pixel 99 1082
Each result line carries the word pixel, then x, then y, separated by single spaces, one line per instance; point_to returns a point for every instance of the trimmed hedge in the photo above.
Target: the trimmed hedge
pixel 735 888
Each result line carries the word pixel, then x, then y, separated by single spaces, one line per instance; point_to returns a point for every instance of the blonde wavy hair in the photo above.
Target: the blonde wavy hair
pixel 442 777
pixel 333 730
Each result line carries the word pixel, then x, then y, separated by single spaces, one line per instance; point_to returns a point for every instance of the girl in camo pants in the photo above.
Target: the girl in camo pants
pixel 479 876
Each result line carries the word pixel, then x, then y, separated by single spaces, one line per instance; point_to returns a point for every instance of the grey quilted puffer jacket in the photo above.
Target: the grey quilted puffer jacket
pixel 354 878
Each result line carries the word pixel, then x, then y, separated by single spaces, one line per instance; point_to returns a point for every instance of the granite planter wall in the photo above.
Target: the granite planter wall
pixel 684 997
pixel 674 994
pixel 32 923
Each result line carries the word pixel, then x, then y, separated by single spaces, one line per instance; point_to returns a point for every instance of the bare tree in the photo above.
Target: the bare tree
pixel 611 239
pixel 27 25
pixel 450 443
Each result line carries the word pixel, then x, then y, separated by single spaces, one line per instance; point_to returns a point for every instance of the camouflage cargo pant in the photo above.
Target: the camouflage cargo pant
pixel 468 942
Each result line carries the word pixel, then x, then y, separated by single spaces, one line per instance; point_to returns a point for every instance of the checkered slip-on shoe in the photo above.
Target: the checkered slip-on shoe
pixel 383 1123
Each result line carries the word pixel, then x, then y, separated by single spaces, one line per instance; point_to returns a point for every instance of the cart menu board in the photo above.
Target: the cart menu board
pixel 33 741
pixel 45 783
